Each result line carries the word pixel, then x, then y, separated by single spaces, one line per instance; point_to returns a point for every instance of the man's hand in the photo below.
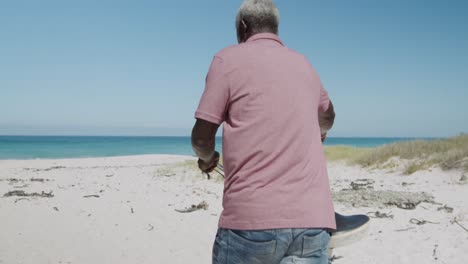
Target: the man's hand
pixel 210 165
pixel 203 143
pixel 327 118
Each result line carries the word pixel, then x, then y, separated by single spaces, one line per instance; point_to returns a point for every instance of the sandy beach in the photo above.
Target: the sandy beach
pixel 133 210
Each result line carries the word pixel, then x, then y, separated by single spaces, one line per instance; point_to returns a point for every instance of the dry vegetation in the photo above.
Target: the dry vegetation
pixel 451 153
pixel 334 153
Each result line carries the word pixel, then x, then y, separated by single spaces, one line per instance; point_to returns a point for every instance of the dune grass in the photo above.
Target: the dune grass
pixel 451 153
pixel 334 153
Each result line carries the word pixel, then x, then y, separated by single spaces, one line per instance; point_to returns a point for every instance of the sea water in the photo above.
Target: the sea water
pixel 41 147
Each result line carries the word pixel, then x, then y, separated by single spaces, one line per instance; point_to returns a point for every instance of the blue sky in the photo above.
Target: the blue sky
pixel 392 68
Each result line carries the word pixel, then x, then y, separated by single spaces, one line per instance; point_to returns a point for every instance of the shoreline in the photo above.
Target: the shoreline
pixel 66 147
pixel 101 157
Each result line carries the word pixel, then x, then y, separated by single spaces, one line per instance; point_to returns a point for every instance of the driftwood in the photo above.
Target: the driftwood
pixel 420 222
pixel 454 221
pixel 13 180
pixel 404 205
pixel 46 169
pixel 24 194
pixel 38 180
pixel 406 229
pixel 203 205
pixel 362 184
pixel 378 214
pixel 91 195
pixel 20 199
pixel 21 186
pixel 445 208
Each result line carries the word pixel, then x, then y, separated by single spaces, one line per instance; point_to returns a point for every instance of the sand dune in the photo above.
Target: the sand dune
pixel 131 210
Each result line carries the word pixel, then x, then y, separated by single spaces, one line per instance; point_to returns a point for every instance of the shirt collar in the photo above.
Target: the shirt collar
pixel 269 36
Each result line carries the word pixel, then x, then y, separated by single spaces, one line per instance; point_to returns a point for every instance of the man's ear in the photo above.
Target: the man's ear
pixel 243 31
pixel 244 25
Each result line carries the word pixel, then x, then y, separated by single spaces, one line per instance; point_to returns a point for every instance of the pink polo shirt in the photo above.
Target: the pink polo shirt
pixel 268 97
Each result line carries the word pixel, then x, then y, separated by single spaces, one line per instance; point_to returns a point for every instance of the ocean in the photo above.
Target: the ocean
pixel 55 147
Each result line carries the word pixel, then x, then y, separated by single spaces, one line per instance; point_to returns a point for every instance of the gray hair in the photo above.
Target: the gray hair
pixel 260 15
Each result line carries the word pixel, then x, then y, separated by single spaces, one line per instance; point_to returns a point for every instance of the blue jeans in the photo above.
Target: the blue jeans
pixel 273 246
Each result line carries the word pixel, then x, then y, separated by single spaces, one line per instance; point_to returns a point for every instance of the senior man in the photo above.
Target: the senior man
pixel 277 200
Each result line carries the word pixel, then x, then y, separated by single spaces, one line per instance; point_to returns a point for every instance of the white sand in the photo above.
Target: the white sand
pixel 134 219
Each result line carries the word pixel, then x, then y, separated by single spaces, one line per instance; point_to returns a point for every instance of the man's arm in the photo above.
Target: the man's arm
pixel 203 143
pixel 326 120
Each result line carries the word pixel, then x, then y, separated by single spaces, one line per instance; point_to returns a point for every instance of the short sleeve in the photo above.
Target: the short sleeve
pixel 213 103
pixel 324 99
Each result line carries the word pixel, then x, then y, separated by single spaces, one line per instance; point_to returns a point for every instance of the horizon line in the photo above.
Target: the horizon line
pixel 185 136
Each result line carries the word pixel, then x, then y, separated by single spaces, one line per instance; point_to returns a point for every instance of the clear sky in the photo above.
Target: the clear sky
pixel 392 68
